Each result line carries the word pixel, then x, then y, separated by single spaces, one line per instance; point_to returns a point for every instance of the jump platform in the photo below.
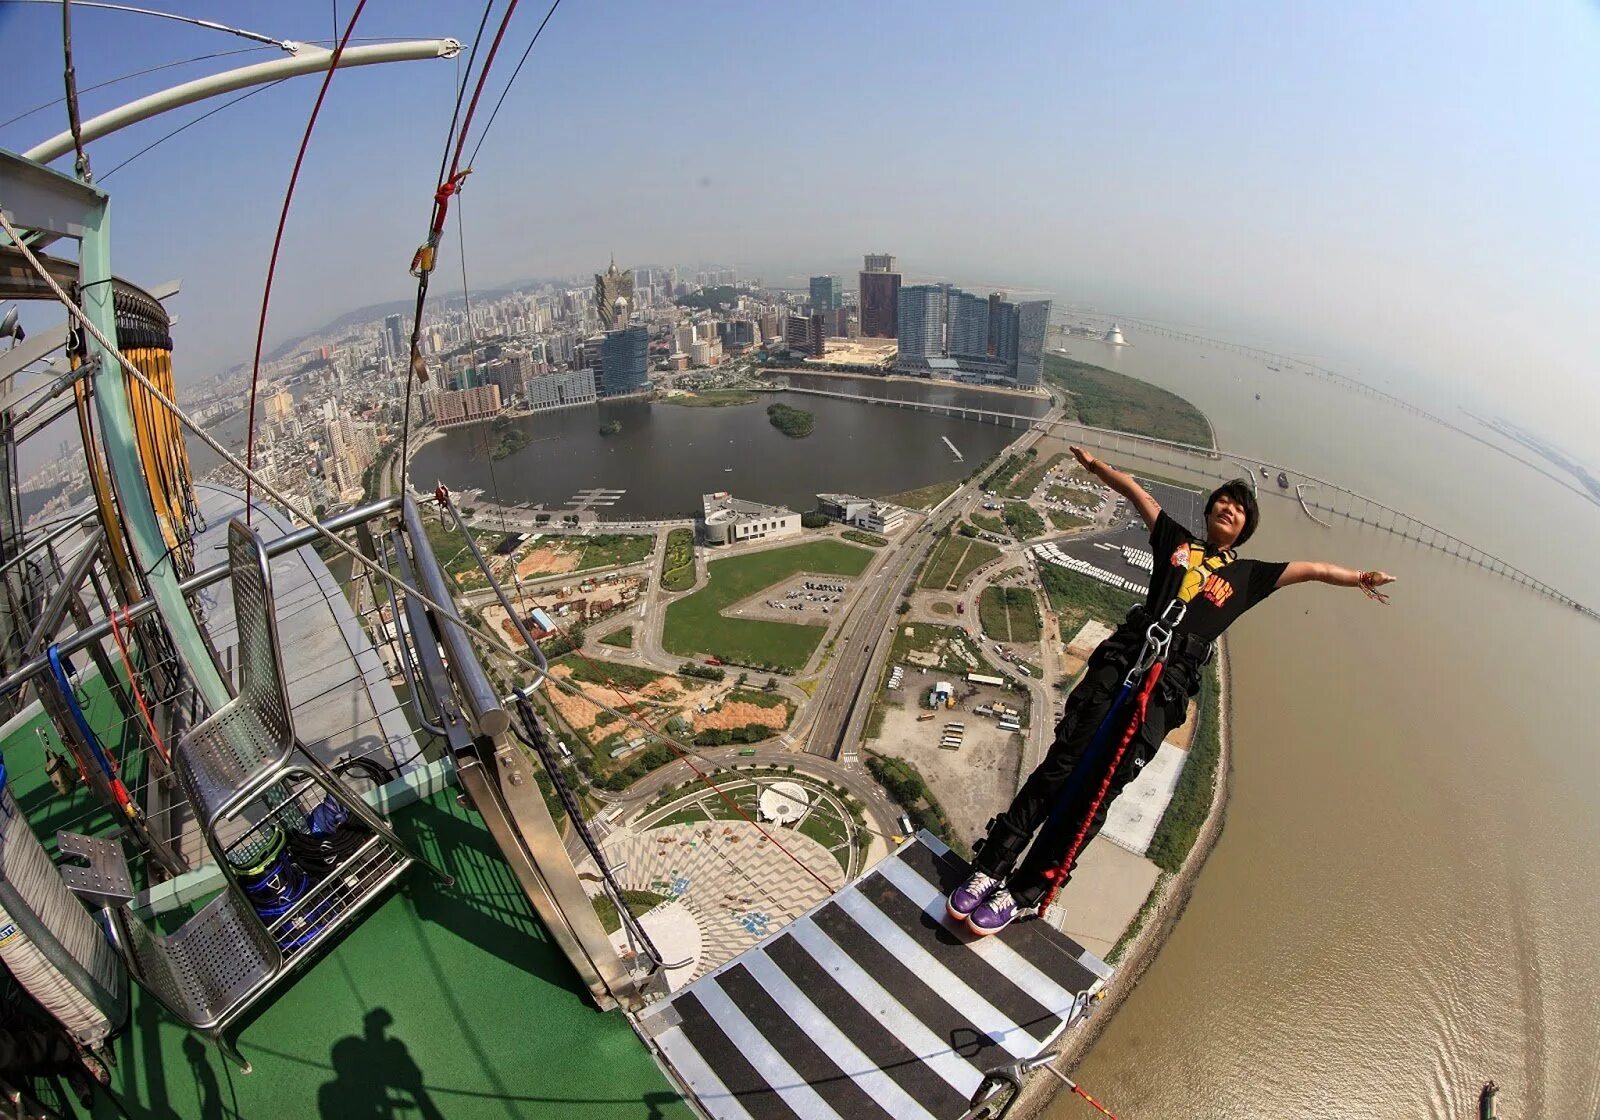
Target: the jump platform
pixel 873 1005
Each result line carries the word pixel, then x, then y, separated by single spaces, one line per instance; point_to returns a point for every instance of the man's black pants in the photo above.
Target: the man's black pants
pixel 1054 779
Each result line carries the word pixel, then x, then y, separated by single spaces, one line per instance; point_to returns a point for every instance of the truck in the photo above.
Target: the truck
pixel 925 718
pixel 961 608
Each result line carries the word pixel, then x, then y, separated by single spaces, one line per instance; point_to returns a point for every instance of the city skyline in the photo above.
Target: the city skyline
pixel 1268 177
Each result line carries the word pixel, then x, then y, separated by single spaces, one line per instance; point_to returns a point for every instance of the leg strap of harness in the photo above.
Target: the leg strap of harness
pixel 1001 847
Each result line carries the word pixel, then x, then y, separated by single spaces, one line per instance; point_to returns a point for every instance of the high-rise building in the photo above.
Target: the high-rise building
pixel 967 325
pixel 624 361
pixel 805 334
pixel 878 262
pixel 394 340
pixel 826 294
pixel 921 317
pixel 613 296
pixel 454 407
pixel 880 304
pixel 560 389
pixel 1033 321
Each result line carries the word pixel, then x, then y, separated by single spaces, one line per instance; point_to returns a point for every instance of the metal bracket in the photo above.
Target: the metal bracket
pixel 104 883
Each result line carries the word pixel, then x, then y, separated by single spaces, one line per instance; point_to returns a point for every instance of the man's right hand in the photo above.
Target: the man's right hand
pixel 1085 460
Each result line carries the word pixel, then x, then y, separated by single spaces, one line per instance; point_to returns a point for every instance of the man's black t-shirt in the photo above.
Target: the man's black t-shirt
pixel 1224 594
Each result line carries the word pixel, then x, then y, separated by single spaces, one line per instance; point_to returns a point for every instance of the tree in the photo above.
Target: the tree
pixel 771 685
pixel 904 607
pixel 815 519
pixel 742 678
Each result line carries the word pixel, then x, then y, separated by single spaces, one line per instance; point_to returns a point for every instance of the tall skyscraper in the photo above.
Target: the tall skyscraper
pixel 805 334
pixel 826 295
pixel 624 361
pixel 967 334
pixel 394 339
pixel 921 315
pixel 1033 321
pixel 879 297
pixel 613 296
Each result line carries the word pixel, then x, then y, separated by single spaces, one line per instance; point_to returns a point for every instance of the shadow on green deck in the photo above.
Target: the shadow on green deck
pixel 441 1003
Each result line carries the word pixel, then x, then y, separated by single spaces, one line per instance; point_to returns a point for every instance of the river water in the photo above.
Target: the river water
pixel 1406 898
pixel 667 455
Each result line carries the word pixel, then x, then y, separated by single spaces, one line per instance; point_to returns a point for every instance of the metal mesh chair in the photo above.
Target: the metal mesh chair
pixel 247 749
pixel 242 768
pixel 210 970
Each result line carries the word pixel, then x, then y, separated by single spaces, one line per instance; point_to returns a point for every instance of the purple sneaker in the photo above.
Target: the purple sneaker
pixel 994 914
pixel 970 895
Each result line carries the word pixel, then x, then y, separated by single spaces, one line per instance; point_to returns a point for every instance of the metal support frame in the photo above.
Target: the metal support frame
pixel 499 777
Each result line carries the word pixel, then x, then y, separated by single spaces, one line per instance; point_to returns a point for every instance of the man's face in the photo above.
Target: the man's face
pixel 1225 522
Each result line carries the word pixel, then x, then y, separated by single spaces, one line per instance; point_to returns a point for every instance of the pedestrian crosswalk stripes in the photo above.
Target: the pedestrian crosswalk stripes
pixel 872 1004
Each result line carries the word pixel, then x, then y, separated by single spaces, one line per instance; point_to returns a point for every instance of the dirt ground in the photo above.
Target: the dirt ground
pixel 973 782
pixel 548 560
pixel 740 715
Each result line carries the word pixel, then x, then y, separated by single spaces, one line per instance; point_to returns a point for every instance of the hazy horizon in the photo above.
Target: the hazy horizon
pixel 1397 192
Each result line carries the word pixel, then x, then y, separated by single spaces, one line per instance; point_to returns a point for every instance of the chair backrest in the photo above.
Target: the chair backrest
pixel 261 685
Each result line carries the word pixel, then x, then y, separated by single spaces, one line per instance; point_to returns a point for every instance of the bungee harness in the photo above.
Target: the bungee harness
pixel 1144 674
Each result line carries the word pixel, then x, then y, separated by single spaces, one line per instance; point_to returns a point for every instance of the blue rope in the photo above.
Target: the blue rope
pixel 59 670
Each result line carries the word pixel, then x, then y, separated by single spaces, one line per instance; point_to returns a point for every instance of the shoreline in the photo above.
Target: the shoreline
pixel 901 379
pixel 1039 1091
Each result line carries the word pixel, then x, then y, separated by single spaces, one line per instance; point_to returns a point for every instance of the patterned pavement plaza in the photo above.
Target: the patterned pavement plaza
pixel 736 884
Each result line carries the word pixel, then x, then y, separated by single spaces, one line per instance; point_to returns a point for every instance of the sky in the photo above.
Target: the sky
pixel 1408 190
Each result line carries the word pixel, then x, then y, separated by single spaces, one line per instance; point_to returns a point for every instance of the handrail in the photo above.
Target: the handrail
pixel 488 712
pixel 289 542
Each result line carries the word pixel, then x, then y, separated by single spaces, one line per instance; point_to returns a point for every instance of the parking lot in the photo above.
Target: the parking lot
pixel 973 781
pixel 801 599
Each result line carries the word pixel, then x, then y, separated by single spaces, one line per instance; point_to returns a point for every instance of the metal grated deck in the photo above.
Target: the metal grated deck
pixel 872 1004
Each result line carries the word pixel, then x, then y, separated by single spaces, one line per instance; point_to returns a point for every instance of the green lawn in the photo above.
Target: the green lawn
pixel 1009 614
pixel 1102 398
pixel 1191 801
pixel 954 560
pixel 622 638
pixel 924 497
pixel 978 554
pixel 1023 520
pixel 1076 598
pixel 1064 521
pixel 627 677
pixel 714 398
pixel 639 902
pixel 610 550
pixel 695 624
pixel 1028 481
pixel 455 558
pixel 677 566
pixel 989 524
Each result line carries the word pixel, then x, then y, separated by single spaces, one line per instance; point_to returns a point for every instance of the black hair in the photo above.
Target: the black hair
pixel 1241 492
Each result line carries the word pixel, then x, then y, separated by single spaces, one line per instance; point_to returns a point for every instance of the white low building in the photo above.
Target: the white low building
pixel 864 513
pixel 729 520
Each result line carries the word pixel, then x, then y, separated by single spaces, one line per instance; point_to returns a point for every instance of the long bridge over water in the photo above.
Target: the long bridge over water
pixel 1313 493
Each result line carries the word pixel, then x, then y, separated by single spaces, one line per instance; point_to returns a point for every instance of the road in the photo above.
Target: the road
pixel 840 710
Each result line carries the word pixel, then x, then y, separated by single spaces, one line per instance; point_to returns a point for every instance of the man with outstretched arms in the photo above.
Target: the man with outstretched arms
pixel 1136 686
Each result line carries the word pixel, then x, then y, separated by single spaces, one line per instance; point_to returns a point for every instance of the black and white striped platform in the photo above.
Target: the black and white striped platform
pixel 873 1005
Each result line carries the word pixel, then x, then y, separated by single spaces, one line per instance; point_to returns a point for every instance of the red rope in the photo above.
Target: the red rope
pixel 1104 1111
pixel 133 682
pixel 277 243
pixel 1057 875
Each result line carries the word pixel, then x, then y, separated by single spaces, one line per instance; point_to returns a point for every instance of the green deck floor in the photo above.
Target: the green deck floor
pixel 440 1003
